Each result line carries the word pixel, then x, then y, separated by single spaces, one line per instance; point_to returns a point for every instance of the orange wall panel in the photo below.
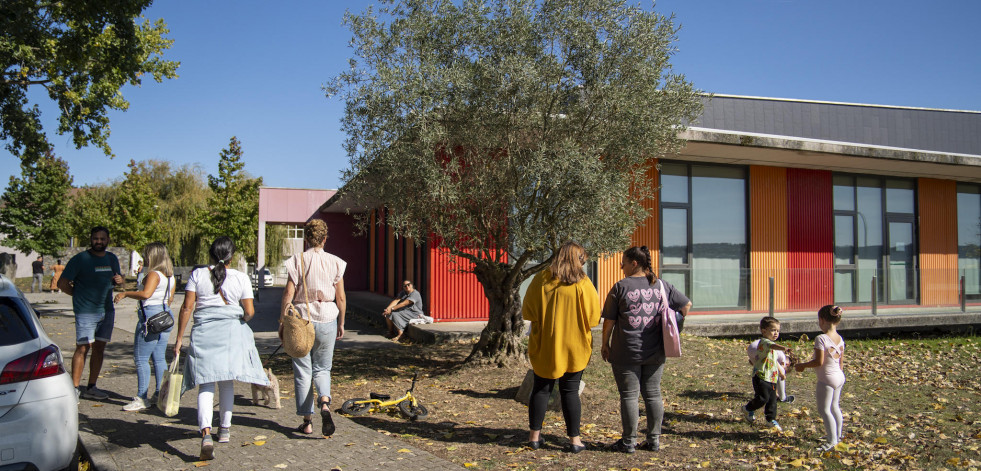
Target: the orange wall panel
pixel 648 233
pixel 768 236
pixel 937 201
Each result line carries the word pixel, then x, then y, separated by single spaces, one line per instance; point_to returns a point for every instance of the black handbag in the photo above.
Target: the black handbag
pixel 160 321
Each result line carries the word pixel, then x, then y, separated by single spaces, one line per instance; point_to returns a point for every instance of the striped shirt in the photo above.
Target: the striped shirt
pixel 322 272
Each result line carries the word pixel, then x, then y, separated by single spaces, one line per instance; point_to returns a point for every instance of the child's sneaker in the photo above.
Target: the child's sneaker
pixel 776 425
pixel 825 447
pixel 788 399
pixel 750 415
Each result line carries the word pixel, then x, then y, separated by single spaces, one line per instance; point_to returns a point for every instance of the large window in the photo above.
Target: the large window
pixel 704 233
pixel 874 237
pixel 969 238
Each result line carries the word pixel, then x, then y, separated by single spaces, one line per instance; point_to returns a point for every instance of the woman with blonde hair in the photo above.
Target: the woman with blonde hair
pixel 315 287
pixel 154 295
pixel 562 306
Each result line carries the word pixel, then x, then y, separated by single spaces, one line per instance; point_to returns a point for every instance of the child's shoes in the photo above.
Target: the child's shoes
pixel 750 415
pixel 776 425
pixel 788 399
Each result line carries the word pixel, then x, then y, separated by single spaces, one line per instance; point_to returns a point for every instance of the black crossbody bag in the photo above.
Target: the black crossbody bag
pixel 160 321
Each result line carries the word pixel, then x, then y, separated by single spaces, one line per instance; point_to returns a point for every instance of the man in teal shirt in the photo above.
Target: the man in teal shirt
pixel 88 278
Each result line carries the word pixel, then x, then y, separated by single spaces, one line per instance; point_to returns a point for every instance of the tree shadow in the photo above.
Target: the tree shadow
pixel 500 393
pixel 711 395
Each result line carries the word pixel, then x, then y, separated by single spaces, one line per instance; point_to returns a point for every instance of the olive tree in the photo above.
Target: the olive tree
pixel 499 129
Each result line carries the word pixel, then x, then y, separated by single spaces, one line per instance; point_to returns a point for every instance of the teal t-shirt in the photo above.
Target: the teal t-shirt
pixel 93 281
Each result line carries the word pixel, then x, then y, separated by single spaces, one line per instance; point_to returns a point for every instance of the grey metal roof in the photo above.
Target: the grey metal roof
pixel 948 131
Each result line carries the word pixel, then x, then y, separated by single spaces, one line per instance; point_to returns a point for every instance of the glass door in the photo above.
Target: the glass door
pixel 901 263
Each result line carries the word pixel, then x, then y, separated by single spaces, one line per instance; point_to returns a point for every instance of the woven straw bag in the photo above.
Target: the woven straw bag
pixel 298 333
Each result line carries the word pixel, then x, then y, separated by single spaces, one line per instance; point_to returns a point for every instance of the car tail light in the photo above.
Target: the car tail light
pixel 40 364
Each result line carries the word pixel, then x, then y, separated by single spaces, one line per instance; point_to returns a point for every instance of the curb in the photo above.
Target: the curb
pixel 93 449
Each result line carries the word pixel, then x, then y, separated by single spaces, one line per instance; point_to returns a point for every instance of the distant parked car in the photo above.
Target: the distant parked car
pixel 267 278
pixel 38 406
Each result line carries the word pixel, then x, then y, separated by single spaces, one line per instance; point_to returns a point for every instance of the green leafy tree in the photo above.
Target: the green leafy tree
pixel 33 210
pixel 134 217
pixel 82 53
pixel 233 207
pixel 90 207
pixel 181 195
pixel 499 129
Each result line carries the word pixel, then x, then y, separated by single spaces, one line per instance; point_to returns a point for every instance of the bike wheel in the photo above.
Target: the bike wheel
pixel 356 406
pixel 411 412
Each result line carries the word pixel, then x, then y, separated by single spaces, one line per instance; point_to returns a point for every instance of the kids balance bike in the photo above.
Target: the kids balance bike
pixel 408 405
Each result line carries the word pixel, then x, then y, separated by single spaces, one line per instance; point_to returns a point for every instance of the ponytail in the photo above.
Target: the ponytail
pixel 221 253
pixel 641 255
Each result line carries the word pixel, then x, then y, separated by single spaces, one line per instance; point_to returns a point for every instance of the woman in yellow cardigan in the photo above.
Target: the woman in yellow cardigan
pixel 563 306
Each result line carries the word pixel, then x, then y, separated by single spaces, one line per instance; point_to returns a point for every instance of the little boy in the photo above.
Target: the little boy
pixel 766 372
pixel 782 362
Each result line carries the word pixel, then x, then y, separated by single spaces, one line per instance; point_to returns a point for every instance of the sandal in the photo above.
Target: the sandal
pixel 303 427
pixel 327 427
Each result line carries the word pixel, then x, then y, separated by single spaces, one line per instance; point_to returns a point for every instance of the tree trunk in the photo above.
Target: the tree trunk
pixel 500 342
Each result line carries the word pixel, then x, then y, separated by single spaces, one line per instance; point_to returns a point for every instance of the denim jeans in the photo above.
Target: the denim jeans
pixel 314 369
pixel 153 346
pixel 634 380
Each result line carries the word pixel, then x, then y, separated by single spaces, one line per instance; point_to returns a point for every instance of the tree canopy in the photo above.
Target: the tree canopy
pixel 33 208
pixel 233 207
pixel 501 128
pixel 82 53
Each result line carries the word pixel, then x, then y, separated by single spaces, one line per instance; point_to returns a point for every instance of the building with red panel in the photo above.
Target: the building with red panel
pixel 840 203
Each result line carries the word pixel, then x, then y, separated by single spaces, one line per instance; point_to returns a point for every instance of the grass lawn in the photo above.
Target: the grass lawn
pixel 909 403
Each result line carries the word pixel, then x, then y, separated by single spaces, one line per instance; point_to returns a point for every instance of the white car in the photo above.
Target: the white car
pixel 266 277
pixel 38 406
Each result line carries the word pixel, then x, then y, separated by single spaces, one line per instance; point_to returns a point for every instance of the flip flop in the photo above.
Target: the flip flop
pixel 303 427
pixel 328 426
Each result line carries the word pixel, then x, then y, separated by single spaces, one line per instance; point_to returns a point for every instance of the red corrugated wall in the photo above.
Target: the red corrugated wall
pixel 455 293
pixel 810 239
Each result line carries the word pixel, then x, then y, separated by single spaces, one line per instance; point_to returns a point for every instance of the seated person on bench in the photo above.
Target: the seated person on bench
pixel 405 307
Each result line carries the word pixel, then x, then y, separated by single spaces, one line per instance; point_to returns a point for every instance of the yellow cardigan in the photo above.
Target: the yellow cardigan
pixel 561 317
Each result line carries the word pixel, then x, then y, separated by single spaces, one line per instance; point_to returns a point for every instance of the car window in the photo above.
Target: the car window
pixel 15 326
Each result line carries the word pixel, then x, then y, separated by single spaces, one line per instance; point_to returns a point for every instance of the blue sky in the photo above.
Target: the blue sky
pixel 254 69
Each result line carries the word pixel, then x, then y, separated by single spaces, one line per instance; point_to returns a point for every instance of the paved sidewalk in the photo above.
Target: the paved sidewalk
pixel 262 437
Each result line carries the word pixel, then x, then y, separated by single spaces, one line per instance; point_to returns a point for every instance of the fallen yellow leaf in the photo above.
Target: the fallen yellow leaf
pixel 880 440
pixel 198 464
pixel 798 463
pixel 469 465
pixel 405 450
pixel 259 442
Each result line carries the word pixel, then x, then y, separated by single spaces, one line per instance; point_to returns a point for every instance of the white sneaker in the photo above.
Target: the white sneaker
pixel 138 404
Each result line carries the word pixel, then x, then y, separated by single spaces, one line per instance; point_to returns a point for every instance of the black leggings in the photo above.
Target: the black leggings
pixel 571 407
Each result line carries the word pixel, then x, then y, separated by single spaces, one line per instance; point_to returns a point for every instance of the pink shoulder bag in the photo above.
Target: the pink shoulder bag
pixel 669 323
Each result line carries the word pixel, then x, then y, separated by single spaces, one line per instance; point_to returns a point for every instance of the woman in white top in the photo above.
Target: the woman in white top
pixel 222 346
pixel 316 288
pixel 154 295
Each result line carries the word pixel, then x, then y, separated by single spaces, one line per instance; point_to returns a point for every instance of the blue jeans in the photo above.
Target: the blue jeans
pixel 152 346
pixel 314 369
